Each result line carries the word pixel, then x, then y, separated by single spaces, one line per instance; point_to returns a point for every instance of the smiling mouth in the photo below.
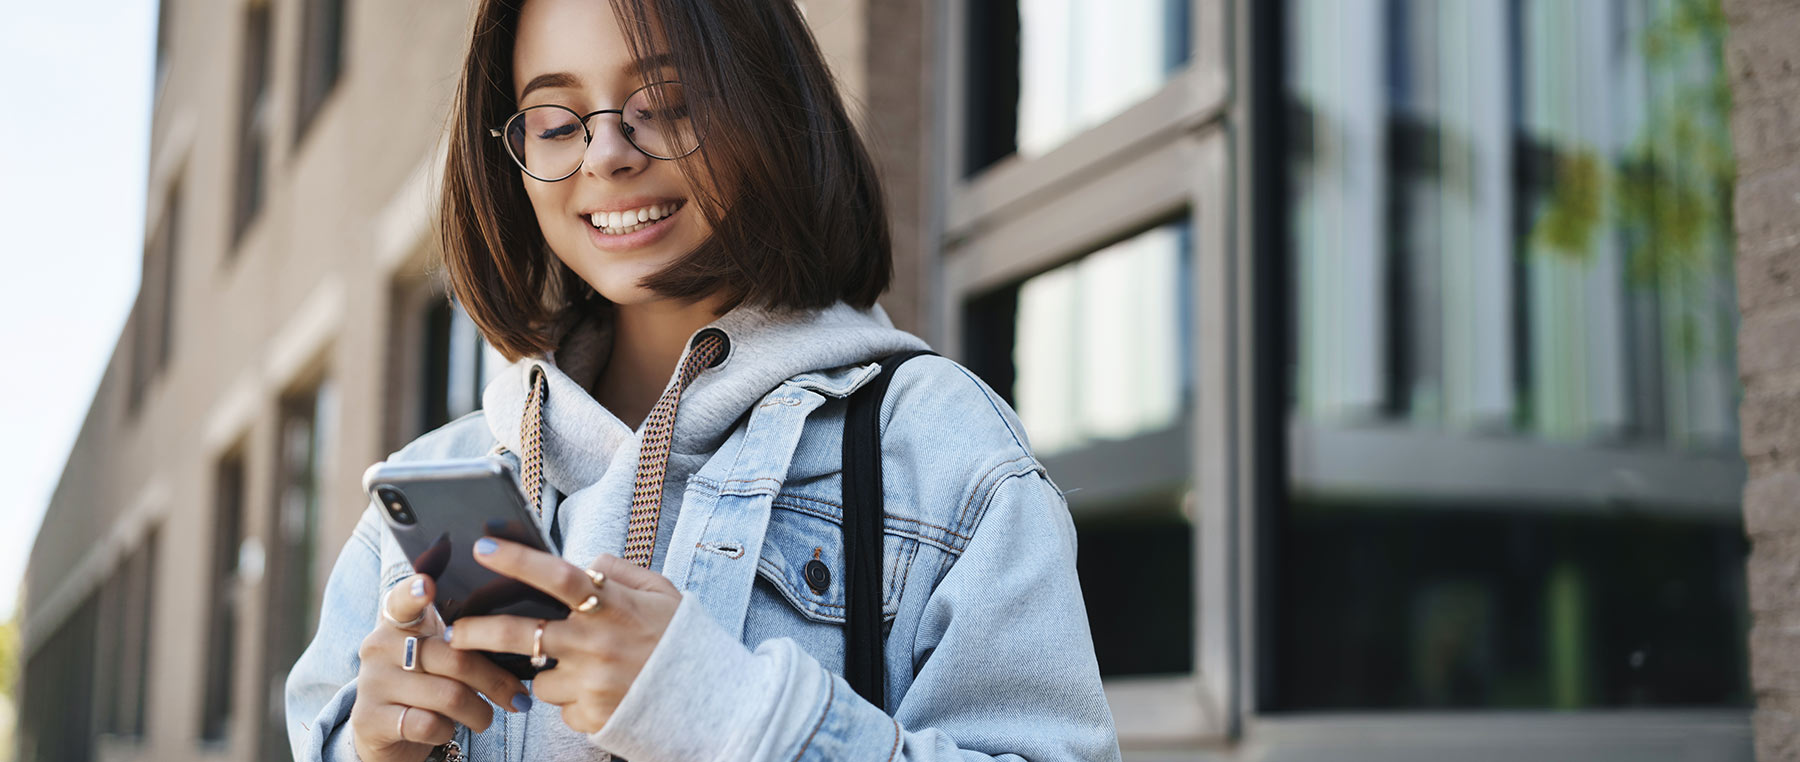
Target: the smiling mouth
pixel 625 223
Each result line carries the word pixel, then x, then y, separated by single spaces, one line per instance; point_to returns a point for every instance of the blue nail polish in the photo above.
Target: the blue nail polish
pixel 418 587
pixel 522 702
pixel 485 546
pixel 447 629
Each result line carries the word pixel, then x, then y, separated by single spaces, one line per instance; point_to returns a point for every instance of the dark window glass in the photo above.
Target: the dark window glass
pixel 57 710
pixel 222 609
pixel 123 655
pixel 253 116
pixel 1406 608
pixel 321 60
pixel 168 240
pixel 458 365
pixel 1488 270
pixel 293 548
pixel 165 11
pixel 1093 356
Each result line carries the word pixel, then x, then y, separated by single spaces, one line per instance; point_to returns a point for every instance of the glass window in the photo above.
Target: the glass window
pixel 253 117
pixel 222 609
pixel 1510 224
pixel 59 721
pixel 123 654
pixel 305 433
pixel 321 58
pixel 1093 356
pixel 1043 70
pixel 458 364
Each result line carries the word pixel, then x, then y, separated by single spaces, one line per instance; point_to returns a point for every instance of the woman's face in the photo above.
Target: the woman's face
pixel 572 53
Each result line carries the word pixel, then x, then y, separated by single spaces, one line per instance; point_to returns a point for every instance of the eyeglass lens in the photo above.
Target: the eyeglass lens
pixel 549 141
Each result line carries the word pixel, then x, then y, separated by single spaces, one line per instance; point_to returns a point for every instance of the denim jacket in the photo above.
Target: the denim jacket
pixel 987 652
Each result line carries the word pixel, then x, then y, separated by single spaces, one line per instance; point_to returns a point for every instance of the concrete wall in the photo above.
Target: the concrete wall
pixel 1763 54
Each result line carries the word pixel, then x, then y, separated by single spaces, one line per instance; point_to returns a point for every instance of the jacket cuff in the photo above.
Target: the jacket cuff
pixel 704 695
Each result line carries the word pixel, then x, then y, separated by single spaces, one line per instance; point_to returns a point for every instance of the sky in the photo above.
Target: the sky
pixel 75 79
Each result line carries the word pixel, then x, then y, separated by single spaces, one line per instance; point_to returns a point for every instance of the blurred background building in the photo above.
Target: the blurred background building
pixel 1424 314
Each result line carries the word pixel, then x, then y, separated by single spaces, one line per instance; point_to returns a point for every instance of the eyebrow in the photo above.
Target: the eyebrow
pixel 563 79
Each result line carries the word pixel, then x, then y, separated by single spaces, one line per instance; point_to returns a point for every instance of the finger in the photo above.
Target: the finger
pixel 475 671
pixel 562 580
pixel 623 572
pixel 445 696
pixel 418 725
pixel 407 600
pixel 503 633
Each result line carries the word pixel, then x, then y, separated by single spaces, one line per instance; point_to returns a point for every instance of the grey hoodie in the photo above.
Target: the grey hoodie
pixel 591 456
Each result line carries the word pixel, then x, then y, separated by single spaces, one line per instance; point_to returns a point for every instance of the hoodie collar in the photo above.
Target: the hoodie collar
pixel 764 348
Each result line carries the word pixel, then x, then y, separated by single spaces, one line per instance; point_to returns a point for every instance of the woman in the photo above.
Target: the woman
pixel 685 318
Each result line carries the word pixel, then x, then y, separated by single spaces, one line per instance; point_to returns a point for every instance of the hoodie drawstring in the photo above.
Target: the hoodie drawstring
pixel 653 454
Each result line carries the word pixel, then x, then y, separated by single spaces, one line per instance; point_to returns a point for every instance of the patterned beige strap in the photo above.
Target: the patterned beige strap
pixel 653 455
pixel 531 434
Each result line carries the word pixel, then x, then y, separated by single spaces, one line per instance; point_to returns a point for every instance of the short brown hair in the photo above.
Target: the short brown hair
pixel 805 226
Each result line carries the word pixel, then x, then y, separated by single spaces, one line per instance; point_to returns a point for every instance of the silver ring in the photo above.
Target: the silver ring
pixel 400 726
pixel 409 660
pixel 397 623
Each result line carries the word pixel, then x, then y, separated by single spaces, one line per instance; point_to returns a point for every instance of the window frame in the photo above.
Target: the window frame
pixel 1166 157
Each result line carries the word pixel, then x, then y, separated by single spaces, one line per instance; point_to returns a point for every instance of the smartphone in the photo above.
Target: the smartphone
pixel 436 510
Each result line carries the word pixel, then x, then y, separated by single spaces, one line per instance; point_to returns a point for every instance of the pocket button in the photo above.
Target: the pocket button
pixel 818 576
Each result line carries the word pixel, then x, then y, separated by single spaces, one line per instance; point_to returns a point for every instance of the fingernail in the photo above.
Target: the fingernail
pixel 521 702
pixel 418 587
pixel 485 546
pixel 447 630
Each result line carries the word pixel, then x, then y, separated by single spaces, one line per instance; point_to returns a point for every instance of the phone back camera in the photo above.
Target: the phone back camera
pixel 396 506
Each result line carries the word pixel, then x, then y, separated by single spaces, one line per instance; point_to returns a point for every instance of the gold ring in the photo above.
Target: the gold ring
pixel 538 659
pixel 598 578
pixel 592 602
pixel 400 725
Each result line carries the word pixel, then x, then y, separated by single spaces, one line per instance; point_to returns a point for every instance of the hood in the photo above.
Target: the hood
pixel 764 348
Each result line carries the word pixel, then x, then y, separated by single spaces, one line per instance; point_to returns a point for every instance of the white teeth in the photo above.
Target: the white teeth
pixel 620 223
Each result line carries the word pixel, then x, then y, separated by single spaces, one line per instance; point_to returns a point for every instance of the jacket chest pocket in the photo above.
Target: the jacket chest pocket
pixel 803 562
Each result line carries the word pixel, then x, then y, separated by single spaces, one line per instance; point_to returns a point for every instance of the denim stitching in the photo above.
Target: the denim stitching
pixel 962 515
pixel 891 517
pixel 896 749
pixel 917 536
pixel 990 399
pixel 830 693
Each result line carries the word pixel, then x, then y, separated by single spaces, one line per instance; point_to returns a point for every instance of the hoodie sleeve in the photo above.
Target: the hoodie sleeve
pixel 322 685
pixel 1006 668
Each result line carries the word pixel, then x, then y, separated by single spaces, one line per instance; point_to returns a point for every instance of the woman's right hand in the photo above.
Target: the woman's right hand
pixel 398 716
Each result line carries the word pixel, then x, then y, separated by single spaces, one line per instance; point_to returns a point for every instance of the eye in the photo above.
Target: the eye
pixel 557 132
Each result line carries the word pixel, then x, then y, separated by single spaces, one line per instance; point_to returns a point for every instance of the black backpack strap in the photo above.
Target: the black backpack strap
pixel 863 514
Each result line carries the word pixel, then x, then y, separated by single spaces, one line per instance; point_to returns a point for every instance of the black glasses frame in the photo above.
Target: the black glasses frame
pixel 587 133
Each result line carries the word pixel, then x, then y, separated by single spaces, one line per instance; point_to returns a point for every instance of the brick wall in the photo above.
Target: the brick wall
pixel 1763 54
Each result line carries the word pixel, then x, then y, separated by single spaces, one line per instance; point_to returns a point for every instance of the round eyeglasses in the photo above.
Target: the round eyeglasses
pixel 654 119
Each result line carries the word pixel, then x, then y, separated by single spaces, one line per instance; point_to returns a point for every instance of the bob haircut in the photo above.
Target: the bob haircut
pixel 797 212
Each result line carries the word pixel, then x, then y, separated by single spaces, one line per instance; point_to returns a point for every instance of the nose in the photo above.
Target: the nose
pixel 609 154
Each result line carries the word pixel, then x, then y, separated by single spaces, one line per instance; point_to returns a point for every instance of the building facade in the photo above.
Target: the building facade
pixel 1424 313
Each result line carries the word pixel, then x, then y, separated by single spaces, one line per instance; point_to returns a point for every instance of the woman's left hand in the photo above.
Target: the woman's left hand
pixel 598 653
